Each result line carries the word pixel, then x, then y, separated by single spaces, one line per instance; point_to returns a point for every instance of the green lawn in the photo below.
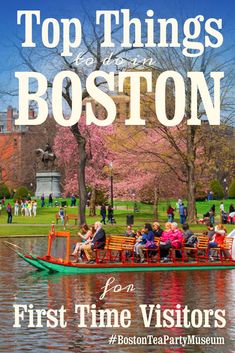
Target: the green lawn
pixel 40 224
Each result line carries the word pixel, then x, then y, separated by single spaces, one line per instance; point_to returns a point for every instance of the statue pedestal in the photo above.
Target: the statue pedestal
pixel 48 183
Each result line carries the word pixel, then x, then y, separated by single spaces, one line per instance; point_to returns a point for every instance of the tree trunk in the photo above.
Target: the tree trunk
pixel 92 203
pixel 82 184
pixel 192 217
pixel 191 183
pixel 81 142
pixel 155 203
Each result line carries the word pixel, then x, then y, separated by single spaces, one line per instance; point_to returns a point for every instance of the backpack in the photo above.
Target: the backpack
pixel 191 241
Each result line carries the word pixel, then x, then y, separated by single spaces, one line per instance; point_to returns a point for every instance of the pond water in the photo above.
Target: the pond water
pixel 23 286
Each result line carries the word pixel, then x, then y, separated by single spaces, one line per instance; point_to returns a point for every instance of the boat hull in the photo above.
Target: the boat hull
pixel 53 266
pixel 32 261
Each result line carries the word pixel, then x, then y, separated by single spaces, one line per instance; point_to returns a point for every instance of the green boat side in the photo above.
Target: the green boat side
pixel 33 261
pixel 70 268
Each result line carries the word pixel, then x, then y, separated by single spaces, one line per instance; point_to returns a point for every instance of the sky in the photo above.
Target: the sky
pixel 179 9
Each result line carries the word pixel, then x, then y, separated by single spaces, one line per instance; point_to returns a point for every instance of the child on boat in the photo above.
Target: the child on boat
pixel 139 235
pixel 146 242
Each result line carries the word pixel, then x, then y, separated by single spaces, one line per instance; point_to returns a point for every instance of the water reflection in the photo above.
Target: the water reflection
pixel 21 285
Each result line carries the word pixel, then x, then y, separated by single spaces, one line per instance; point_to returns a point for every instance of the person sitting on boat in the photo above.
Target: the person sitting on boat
pixel 189 238
pixel 138 240
pixel 210 231
pixel 98 242
pixel 86 236
pixel 147 241
pixel 129 232
pixel 217 239
pixel 165 242
pixel 157 230
pixel 171 237
pixel 176 237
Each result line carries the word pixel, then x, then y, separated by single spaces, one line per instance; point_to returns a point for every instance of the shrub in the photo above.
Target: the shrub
pixel 21 193
pixel 101 197
pixel 231 190
pixel 200 193
pixel 4 191
pixel 217 189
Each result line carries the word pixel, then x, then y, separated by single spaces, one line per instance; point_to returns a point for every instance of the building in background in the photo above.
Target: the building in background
pixel 18 160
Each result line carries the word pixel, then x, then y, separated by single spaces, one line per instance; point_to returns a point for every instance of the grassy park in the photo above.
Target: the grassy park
pixel 39 225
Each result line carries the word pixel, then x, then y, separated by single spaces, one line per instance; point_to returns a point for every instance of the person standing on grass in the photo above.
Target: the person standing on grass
pixel 221 207
pixel 62 215
pixel 30 206
pixel 42 200
pixel 110 214
pixel 26 210
pixel 182 213
pixel 212 214
pixel 103 213
pixel 73 201
pixel 34 208
pixel 22 208
pixel 170 214
pixel 16 208
pixel 9 213
pixel 3 202
pixel 231 208
pixel 50 200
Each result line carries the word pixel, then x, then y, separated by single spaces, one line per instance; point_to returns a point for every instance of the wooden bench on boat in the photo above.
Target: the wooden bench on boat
pixel 119 248
pixel 201 250
pixel 116 248
pixel 224 251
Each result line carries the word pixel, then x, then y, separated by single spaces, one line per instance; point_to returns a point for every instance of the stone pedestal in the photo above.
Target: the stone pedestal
pixel 47 183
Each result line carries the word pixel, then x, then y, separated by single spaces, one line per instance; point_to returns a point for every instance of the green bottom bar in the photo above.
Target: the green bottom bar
pixel 80 270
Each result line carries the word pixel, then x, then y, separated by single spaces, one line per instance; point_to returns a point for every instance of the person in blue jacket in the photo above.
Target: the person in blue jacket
pixel 147 241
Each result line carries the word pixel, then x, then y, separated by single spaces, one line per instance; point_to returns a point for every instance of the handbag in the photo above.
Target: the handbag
pixel 150 244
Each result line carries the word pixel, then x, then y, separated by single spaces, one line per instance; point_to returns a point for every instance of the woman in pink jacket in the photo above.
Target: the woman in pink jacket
pixel 171 237
pixel 176 237
pixel 165 242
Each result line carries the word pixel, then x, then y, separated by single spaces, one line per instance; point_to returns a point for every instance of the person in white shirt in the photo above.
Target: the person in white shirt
pixel 221 207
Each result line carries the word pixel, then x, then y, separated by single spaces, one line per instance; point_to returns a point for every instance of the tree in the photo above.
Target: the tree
pixel 185 142
pixel 218 153
pixel 217 189
pixel 97 157
pixel 4 191
pixel 21 193
pixel 138 175
pixel 231 190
